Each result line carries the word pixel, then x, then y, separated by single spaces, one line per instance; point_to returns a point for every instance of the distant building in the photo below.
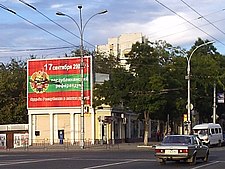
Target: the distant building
pixel 13 135
pixel 120 46
pixel 100 78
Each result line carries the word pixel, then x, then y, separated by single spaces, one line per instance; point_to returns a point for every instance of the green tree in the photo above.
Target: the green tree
pixel 13 93
pixel 104 63
pixel 116 91
pixel 155 84
pixel 173 71
pixel 106 93
pixel 146 64
pixel 148 87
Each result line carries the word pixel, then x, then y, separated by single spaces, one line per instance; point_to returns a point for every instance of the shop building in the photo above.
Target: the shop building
pixel 13 136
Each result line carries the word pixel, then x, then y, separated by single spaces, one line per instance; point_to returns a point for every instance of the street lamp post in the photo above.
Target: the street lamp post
pixel 189 105
pixel 81 29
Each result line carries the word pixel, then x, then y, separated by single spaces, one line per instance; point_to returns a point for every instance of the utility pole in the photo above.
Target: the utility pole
pixel 214 103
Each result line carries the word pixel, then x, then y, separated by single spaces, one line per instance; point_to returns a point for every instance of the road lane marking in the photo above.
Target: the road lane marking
pixel 31 161
pixel 205 165
pixel 111 164
pixel 111 159
pixel 16 162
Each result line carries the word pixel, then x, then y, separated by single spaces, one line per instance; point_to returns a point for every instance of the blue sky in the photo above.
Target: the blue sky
pixel 179 22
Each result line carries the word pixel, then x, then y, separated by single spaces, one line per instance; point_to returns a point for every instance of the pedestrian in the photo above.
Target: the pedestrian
pixel 158 135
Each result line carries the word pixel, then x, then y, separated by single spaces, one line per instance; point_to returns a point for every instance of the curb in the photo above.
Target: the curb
pixel 145 146
pixel 148 146
pixel 128 146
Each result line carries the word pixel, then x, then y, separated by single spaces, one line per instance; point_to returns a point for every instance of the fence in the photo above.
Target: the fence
pixel 66 145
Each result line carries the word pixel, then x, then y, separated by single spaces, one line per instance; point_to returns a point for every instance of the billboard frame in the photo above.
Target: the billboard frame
pixel 76 61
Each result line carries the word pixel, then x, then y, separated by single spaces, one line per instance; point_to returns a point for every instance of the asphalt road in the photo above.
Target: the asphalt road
pixel 107 159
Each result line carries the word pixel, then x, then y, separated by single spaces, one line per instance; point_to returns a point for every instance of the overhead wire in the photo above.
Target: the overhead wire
pixel 190 29
pixel 192 20
pixel 212 13
pixel 72 32
pixel 182 24
pixel 13 12
pixel 41 13
pixel 34 49
pixel 201 16
pixel 189 22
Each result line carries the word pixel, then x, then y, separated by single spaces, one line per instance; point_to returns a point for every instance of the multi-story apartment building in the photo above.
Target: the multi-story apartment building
pixel 120 46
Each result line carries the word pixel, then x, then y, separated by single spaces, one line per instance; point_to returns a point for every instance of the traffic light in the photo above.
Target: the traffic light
pixel 185 118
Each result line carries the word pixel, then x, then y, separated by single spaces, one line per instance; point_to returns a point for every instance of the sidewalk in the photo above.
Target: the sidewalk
pixel 97 147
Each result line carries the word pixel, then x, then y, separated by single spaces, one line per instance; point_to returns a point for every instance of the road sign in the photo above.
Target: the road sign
pixel 216 116
pixel 191 106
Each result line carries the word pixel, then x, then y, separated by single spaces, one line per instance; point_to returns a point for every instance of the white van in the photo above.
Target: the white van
pixel 209 133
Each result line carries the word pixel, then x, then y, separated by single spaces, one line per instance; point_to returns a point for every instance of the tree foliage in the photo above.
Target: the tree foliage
pixel 104 63
pixel 13 93
pixel 155 83
pixel 153 86
pixel 148 84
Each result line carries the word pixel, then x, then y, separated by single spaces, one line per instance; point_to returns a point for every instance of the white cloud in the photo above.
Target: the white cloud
pixel 56 6
pixel 126 16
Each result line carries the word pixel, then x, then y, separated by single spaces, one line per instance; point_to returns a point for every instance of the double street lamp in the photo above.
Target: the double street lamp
pixel 81 27
pixel 189 105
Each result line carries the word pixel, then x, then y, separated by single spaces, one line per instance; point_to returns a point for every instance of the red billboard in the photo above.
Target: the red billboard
pixel 56 83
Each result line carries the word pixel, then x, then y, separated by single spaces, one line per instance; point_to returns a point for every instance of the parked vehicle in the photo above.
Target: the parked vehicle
pixel 209 133
pixel 188 148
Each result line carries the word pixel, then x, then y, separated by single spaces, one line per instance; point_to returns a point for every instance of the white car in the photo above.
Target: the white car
pixel 188 148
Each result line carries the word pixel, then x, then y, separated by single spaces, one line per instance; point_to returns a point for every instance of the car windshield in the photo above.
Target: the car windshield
pixel 202 132
pixel 177 139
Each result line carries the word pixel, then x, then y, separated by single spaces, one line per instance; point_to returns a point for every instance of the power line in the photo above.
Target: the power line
pixel 185 22
pixel 201 16
pixel 189 22
pixel 41 13
pixel 212 13
pixel 13 12
pixel 182 24
pixel 34 49
pixel 190 29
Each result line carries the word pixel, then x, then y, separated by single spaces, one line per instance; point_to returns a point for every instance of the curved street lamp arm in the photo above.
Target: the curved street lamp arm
pixel 63 14
pixel 81 27
pixel 199 47
pixel 189 58
pixel 99 13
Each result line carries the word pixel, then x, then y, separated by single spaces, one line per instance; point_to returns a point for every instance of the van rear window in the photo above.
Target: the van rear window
pixel 216 130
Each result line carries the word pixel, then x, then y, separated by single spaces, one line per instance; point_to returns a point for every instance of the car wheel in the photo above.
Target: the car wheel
pixel 209 145
pixel 219 144
pixel 205 159
pixel 193 160
pixel 162 161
